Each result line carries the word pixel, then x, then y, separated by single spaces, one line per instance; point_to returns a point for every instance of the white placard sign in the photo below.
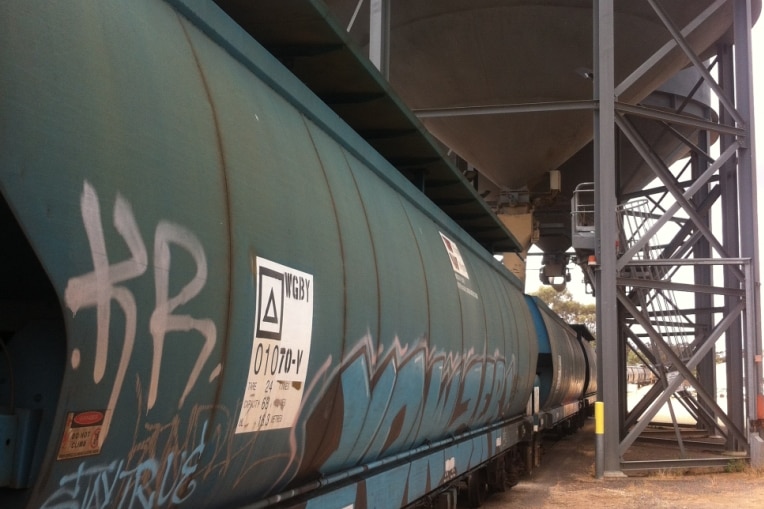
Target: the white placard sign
pixel 280 348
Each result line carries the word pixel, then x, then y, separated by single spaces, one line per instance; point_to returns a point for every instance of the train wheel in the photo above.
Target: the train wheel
pixel 446 500
pixel 528 456
pixel 477 488
pixel 496 473
pixel 513 466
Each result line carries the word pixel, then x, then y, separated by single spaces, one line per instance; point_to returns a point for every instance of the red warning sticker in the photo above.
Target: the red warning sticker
pixel 82 434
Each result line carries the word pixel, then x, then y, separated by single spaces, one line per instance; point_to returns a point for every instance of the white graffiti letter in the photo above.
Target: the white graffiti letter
pixel 98 288
pixel 162 319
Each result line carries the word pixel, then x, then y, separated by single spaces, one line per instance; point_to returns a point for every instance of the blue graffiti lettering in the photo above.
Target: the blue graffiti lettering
pixel 387 396
pixel 115 485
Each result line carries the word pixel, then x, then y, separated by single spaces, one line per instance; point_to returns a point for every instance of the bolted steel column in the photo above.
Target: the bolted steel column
pixel 607 233
pixel 731 239
pixel 379 36
pixel 703 275
pixel 749 241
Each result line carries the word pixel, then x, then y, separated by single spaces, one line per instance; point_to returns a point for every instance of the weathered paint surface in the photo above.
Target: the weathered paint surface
pixel 155 173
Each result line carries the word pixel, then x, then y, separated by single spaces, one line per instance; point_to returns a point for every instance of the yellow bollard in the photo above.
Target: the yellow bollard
pixel 599 439
pixel 599 417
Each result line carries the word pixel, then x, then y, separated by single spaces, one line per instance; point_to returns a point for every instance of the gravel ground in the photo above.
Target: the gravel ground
pixel 566 479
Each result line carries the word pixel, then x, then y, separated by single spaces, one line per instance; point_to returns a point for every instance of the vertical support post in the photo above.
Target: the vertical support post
pixel 703 275
pixel 749 240
pixel 731 240
pixel 606 228
pixel 379 36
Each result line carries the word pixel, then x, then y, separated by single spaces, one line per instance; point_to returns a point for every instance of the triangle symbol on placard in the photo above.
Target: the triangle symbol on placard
pixel 271 313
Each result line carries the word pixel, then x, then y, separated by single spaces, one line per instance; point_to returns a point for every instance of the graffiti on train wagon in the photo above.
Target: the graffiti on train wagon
pixel 150 484
pixel 374 403
pixel 104 285
pixel 385 401
pixel 392 399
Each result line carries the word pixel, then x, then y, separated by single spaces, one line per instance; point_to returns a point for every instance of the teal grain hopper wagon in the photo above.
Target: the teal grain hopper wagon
pixel 219 291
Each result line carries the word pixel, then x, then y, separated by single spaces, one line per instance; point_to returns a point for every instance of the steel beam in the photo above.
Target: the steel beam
pixel 749 241
pixel 721 93
pixel 676 118
pixel 703 275
pixel 607 231
pixel 379 36
pixel 731 238
pixel 634 466
pixel 689 193
pixel 355 15
pixel 663 52
pixel 663 173
pixel 681 287
pixel 506 109
pixel 684 369
pixel 695 244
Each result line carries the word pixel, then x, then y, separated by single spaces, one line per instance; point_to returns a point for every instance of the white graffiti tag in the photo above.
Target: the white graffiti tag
pixel 102 286
pixel 98 287
pixel 162 319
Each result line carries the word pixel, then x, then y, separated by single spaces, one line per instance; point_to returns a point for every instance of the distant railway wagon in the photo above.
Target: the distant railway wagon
pixel 640 375
pixel 566 368
pixel 217 294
